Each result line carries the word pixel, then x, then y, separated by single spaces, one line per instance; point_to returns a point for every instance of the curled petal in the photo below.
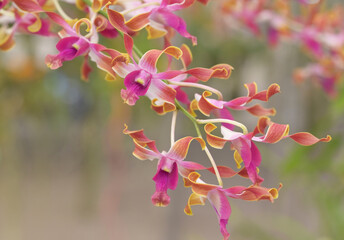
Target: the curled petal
pixel 134 24
pixel 307 139
pixel 206 105
pixel 253 193
pixel 214 141
pixel 197 186
pixel 204 74
pixel 138 22
pixel 227 172
pixel 187 55
pixel 78 24
pixel 180 148
pixel 162 108
pixel 274 134
pixel 36 25
pixel 251 89
pixel 267 94
pixel 258 110
pixel 143 153
pixel 222 71
pixel 141 138
pixel 194 199
pixel 150 58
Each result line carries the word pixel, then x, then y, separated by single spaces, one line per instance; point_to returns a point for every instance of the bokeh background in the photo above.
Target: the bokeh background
pixel 67 172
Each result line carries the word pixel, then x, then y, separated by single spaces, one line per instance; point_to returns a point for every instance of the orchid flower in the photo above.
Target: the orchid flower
pixel 74 44
pixel 245 149
pixel 155 15
pixel 206 105
pixel 143 78
pixel 319 30
pixel 170 163
pixel 21 22
pixel 217 197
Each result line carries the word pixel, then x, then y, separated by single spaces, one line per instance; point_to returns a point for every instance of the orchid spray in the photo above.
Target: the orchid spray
pixel 166 90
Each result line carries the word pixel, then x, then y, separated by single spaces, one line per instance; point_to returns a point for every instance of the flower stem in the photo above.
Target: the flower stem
pixel 139 7
pixel 197 85
pixel 173 127
pixel 195 123
pixel 221 120
pixel 60 10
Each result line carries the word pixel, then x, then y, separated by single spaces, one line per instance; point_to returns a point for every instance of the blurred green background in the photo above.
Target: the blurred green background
pixel 66 170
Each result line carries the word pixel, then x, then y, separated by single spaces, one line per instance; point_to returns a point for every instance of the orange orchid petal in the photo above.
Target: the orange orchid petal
pixel 194 199
pixel 163 108
pixel 151 57
pixel 266 94
pixel 180 148
pixel 138 22
pixel 187 55
pixel 227 172
pixel 222 71
pixel 78 24
pixel 200 189
pixel 205 106
pixel 258 110
pixel 140 138
pixel 214 141
pixel 251 89
pixel 253 193
pixel 307 139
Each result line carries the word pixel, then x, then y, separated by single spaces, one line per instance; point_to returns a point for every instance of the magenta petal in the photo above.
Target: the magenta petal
pixel 182 96
pixel 137 84
pixel 175 22
pixel 163 181
pixel 246 148
pixel 224 113
pixel 222 208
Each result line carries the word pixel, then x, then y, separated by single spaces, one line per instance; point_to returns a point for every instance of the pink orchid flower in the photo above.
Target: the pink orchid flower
pixel 74 44
pixel 21 22
pixel 206 105
pixel 156 16
pixel 170 163
pixel 217 197
pixel 245 149
pixel 143 78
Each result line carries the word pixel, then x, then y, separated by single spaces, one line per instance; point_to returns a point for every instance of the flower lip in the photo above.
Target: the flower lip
pixel 137 84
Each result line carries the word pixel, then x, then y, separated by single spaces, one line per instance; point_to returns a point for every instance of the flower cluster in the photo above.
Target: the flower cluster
pixel 315 27
pixel 165 88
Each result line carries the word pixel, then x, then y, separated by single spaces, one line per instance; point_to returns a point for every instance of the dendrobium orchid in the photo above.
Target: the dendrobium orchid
pixel 314 26
pixel 170 163
pixel 143 78
pixel 245 149
pixel 217 197
pixel 165 87
pixel 155 15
